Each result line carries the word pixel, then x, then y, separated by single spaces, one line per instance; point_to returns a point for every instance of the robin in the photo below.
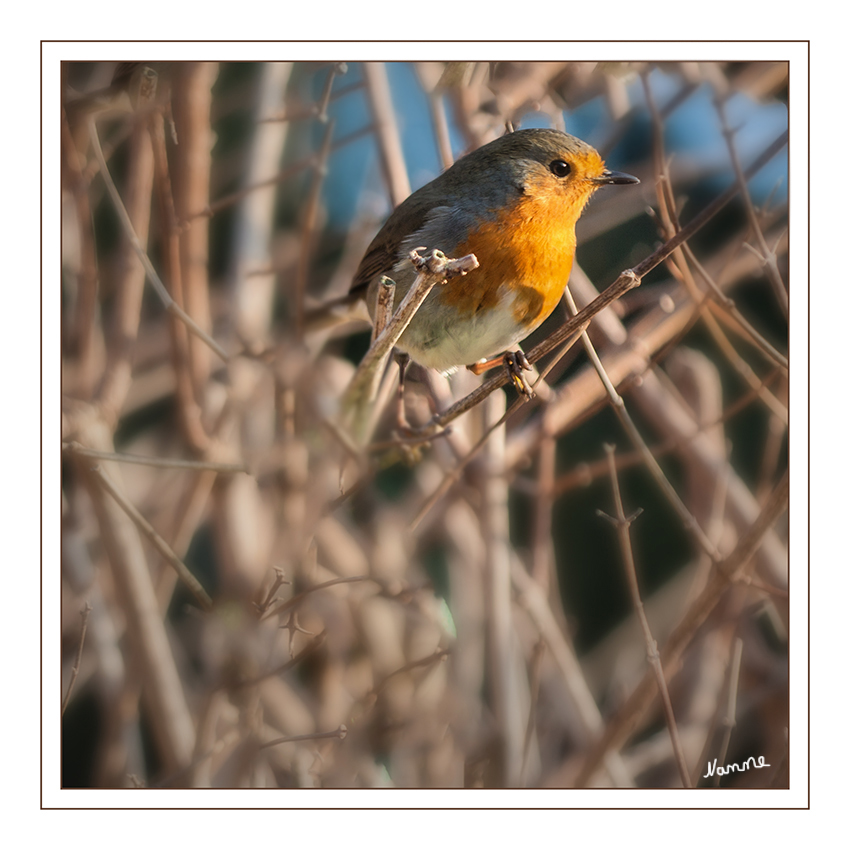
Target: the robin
pixel 514 203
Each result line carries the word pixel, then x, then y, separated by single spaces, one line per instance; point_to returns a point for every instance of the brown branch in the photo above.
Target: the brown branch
pixel 340 733
pixel 308 229
pixel 192 105
pixel 499 635
pixel 735 567
pixel 126 312
pixel 83 326
pixel 728 719
pixel 383 306
pixel 152 276
pixel 162 462
pixel 386 130
pixel 433 268
pixel 649 460
pixel 189 410
pixel 767 256
pixel 436 657
pixel 192 584
pixel 299 597
pixel 532 598
pixel 75 670
pixel 623 523
pixel 670 223
pixel 155 671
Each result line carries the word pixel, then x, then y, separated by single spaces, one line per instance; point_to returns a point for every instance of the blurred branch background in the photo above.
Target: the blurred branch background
pixel 264 605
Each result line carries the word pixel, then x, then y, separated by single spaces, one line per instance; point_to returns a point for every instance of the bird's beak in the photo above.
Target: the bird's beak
pixel 613 177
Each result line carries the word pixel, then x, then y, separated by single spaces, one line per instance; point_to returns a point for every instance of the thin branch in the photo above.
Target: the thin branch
pixel 153 277
pixel 728 719
pixel 308 229
pixel 166 463
pixel 75 670
pixel 340 733
pixel 386 130
pixel 125 313
pixel 299 597
pixel 581 476
pixel 503 686
pixel 318 110
pixel 670 223
pixel 383 306
pixel 734 568
pixel 309 649
pixel 434 268
pixel 192 584
pixel 723 304
pixel 192 103
pixel 83 326
pixel 532 598
pixel 531 724
pixel 189 410
pixel 623 524
pixel 436 657
pixel 767 256
pixel 296 168
pixel 652 464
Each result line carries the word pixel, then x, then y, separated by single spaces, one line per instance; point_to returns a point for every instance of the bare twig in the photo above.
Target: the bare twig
pixel 192 584
pixel 308 228
pixel 622 523
pixel 434 268
pixel 155 672
pixel 83 325
pixel 192 104
pixel 188 407
pixel 227 201
pixel 165 463
pixel 339 733
pixel 299 597
pixel 317 641
pixel 531 597
pixel 386 130
pixel 652 464
pixel 383 306
pixel 735 567
pixel 534 688
pixel 75 670
pixel 495 526
pixel 152 276
pixel 670 222
pixel 728 719
pixel 436 657
pixel 126 310
pixel 768 256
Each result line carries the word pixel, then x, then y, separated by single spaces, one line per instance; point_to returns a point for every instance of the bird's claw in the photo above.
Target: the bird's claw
pixel 516 363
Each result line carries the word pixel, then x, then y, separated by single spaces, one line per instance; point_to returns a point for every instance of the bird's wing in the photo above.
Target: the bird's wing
pixel 406 221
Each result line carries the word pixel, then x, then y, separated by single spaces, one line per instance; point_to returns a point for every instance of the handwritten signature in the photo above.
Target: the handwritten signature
pixel 732 768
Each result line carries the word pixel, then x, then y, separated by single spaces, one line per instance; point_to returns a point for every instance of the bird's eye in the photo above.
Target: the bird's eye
pixel 559 168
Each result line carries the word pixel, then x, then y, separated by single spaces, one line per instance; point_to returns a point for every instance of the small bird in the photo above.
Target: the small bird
pixel 514 203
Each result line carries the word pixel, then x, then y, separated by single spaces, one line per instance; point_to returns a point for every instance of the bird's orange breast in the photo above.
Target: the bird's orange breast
pixel 525 254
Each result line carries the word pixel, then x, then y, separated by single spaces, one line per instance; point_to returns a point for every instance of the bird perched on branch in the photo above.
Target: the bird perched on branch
pixel 514 204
